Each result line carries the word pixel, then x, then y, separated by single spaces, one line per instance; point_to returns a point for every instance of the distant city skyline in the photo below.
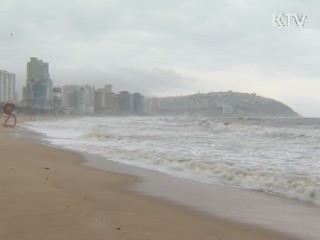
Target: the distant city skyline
pixel 174 47
pixel 40 95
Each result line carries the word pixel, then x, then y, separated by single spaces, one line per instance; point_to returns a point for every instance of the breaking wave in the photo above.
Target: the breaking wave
pixel 278 156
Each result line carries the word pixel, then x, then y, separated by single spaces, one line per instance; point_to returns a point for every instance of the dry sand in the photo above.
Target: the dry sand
pixel 46 194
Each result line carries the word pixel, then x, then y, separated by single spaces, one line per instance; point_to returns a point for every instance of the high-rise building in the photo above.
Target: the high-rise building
pixel 153 105
pixel 78 99
pixel 125 103
pixel 57 98
pixel 38 91
pixel 102 99
pixel 7 86
pixel 108 88
pixel 139 106
pixel 111 103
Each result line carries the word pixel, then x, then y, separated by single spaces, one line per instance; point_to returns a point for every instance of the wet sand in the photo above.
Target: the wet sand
pixel 256 208
pixel 46 193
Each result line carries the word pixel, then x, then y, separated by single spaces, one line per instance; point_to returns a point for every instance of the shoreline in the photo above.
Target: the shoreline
pixel 103 198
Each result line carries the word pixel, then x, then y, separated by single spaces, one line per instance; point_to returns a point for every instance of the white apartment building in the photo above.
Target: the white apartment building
pixel 7 86
pixel 78 99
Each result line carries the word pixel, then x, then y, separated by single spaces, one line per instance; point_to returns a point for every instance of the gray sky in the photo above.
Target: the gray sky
pixel 169 47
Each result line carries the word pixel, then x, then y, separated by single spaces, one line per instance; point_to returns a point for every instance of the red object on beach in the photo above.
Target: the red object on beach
pixel 8 109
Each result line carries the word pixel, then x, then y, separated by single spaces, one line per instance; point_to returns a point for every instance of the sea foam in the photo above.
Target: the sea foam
pixel 279 156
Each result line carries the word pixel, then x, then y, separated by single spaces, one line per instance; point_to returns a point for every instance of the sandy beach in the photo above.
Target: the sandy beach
pixel 47 194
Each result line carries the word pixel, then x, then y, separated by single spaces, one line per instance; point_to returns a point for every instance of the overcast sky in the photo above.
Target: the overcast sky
pixel 169 47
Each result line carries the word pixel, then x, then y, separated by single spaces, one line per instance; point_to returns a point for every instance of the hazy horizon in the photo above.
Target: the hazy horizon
pixel 168 47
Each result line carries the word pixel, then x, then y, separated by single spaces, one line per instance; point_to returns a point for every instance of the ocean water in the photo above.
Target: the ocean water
pixel 275 155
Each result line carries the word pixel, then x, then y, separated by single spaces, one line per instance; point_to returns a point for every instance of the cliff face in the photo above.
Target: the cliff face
pixel 230 104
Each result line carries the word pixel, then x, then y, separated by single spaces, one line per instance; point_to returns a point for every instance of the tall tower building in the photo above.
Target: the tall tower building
pixel 7 86
pixel 38 91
